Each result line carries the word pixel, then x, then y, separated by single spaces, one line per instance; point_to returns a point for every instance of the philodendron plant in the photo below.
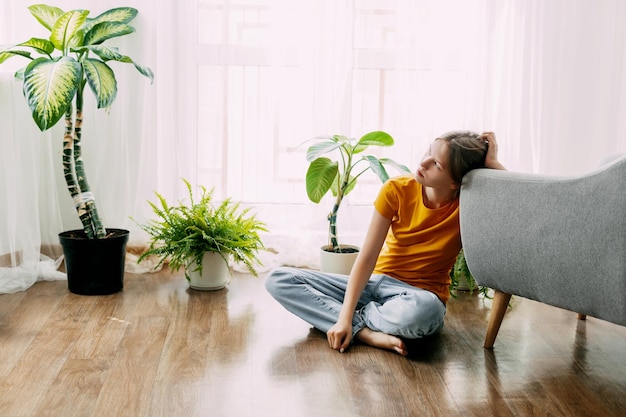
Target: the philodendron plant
pixel 70 59
pixel 340 175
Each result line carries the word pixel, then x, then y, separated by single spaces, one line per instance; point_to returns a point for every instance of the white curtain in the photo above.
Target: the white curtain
pixel 240 84
pixel 137 147
pixel 554 87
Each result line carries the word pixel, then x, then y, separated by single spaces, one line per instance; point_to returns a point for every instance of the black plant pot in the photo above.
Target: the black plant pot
pixel 94 266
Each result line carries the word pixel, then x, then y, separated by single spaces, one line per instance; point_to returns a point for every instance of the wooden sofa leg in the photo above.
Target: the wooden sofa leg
pixel 582 316
pixel 500 304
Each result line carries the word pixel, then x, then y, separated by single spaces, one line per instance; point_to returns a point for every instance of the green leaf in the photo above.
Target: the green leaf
pixel 105 53
pixel 315 151
pixel 43 46
pixel 377 167
pixel 119 14
pixel 106 30
pixel 341 139
pixel 112 54
pixel 376 138
pixel 49 87
pixel 319 178
pixel 46 15
pixel 351 184
pixel 66 27
pixel 396 165
pixel 19 74
pixel 183 232
pixel 4 55
pixel 101 79
pixel 143 70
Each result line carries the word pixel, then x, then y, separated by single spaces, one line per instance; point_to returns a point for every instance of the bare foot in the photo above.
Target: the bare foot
pixel 382 340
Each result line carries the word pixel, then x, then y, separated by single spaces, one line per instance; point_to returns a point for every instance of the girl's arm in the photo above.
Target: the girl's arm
pixel 340 335
pixel 491 160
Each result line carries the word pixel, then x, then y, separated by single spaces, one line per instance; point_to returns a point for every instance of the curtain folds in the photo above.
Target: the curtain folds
pixel 547 77
pixel 129 150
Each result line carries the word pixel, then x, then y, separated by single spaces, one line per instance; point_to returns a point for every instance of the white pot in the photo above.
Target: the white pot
pixel 215 273
pixel 464 285
pixel 338 263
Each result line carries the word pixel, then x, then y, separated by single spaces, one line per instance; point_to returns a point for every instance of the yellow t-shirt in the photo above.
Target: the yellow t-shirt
pixel 422 243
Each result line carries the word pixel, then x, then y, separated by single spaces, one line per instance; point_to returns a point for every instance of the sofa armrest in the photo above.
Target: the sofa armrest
pixel 557 240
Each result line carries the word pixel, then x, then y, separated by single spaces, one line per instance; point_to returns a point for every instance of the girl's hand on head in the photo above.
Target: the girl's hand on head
pixel 491 159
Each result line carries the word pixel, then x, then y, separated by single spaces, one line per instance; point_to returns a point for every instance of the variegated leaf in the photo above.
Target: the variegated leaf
pixel 105 53
pixel 102 81
pixel 46 15
pixel 66 27
pixel 4 55
pixel 120 14
pixel 112 54
pixel 106 30
pixel 42 46
pixel 49 87
pixel 144 71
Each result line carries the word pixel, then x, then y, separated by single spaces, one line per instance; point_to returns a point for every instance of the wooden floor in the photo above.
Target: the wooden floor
pixel 160 349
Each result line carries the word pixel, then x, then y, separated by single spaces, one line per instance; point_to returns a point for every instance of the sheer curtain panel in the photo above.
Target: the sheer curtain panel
pixel 130 150
pixel 240 85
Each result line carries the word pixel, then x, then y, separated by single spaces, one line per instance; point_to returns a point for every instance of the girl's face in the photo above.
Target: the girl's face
pixel 433 169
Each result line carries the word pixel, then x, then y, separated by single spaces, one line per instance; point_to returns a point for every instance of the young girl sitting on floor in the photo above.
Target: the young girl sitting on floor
pixel 399 284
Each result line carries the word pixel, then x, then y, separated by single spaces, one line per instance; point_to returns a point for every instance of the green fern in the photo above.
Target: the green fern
pixel 183 233
pixel 461 270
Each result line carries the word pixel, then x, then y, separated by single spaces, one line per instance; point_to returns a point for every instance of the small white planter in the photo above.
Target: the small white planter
pixel 215 273
pixel 338 263
pixel 464 285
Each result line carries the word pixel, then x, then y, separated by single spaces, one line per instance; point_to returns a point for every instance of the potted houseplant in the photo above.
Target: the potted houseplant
pixel 203 238
pixel 72 58
pixel 340 177
pixel 461 278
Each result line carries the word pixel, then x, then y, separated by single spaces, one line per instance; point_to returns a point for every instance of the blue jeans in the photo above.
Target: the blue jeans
pixel 386 305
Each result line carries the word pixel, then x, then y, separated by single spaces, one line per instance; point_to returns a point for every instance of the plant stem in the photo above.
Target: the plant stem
pixel 332 217
pixel 90 203
pixel 75 175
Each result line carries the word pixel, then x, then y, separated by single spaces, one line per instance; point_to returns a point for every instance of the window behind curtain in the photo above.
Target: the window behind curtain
pixel 272 74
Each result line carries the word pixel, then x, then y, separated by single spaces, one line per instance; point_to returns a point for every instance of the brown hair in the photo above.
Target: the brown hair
pixel 466 151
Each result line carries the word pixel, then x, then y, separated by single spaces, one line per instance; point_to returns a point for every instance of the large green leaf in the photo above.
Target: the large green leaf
pixel 43 46
pixel 321 148
pixel 46 15
pixel 396 165
pixel 119 14
pixel 49 87
pixel 4 55
pixel 102 81
pixel 376 138
pixel 377 167
pixel 112 54
pixel 106 30
pixel 319 178
pixel 66 27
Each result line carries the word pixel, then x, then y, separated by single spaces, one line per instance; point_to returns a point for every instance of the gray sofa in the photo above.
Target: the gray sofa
pixel 557 240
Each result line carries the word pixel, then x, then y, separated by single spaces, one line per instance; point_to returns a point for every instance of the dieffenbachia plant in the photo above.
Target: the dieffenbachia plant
pixel 71 58
pixel 325 174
